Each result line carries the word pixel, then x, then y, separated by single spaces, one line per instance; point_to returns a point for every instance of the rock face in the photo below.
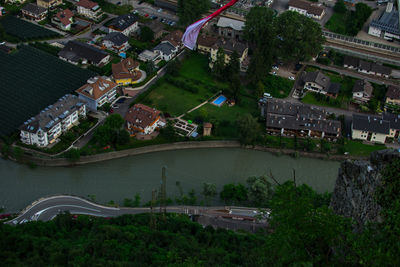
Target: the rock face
pixel 354 194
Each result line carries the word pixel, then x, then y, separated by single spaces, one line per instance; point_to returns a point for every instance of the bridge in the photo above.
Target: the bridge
pixel 46 209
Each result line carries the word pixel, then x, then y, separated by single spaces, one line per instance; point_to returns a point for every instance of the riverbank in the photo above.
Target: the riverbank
pixel 63 162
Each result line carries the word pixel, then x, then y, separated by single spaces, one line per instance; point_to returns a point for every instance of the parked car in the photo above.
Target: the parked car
pixel 160 10
pixel 146 15
pixel 140 2
pixel 291 78
pixel 115 106
pixel 275 67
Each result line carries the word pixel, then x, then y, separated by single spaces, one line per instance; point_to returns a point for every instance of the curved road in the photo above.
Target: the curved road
pixel 48 208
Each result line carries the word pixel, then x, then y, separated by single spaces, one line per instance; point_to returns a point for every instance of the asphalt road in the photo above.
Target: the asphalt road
pixel 48 208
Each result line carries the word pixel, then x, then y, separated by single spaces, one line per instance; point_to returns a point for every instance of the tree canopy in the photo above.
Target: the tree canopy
pixel 190 11
pixel 146 34
pixel 248 128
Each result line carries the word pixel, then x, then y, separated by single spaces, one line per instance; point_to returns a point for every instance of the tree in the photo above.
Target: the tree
pixel 340 7
pixel 111 132
pixel 299 37
pixel 248 129
pixel 149 67
pixel 260 33
pixel 232 69
pixel 259 191
pixel 146 34
pixel 191 10
pixel 219 65
pixel 173 67
pixel 209 191
pixel 232 193
pixel 259 89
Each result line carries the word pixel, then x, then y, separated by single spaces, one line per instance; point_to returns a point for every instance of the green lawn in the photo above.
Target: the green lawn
pixel 345 93
pixel 335 23
pixel 277 86
pixel 357 148
pixel 174 100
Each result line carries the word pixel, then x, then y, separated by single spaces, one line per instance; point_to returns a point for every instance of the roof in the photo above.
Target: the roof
pixel 318 78
pixel 351 61
pixel 87 4
pixel 64 16
pixel 389 22
pixel 141 116
pixel 124 21
pixel 230 46
pixel 96 87
pixel 206 41
pixel 313 9
pixel 155 25
pixel 126 69
pixel 381 69
pixel 363 86
pixel 393 92
pixel 334 88
pixel 74 51
pixel 296 116
pixel 51 115
pixel 373 124
pixel 230 23
pixel 165 47
pixel 394 120
pixel 175 37
pixel 149 55
pixel 116 38
pixel 365 65
pixel 34 9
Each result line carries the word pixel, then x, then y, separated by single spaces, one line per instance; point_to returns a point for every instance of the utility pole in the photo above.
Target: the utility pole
pixel 163 193
pixel 153 223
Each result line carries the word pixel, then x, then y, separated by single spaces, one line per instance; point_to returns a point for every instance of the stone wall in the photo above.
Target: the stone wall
pixel 354 194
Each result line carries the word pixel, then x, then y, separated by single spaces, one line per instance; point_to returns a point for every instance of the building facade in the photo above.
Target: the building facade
pixel 89 9
pixel 50 123
pixel 141 119
pixel 98 91
pixel 370 128
pixel 311 10
pixel 125 24
pixel 49 4
pixel 34 12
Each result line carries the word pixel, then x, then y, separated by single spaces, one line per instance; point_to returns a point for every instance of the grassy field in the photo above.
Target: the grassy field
pixel 176 101
pixel 25 30
pixel 277 86
pixel 32 80
pixel 357 148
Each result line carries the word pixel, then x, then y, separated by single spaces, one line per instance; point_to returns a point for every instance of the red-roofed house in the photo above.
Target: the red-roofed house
pixel 89 9
pixel 98 91
pixel 141 119
pixel 64 19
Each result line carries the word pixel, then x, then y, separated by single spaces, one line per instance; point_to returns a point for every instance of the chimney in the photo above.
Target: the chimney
pixel 389 7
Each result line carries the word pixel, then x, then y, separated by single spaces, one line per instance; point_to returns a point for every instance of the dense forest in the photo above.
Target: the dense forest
pixel 303 231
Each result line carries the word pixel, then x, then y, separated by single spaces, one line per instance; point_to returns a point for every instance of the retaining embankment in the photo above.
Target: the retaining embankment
pixel 59 162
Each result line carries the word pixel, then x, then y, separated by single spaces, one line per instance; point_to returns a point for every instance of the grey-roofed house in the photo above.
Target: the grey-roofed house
pixel 286 118
pixel 166 50
pixel 351 62
pixel 50 123
pixel 394 120
pixel 34 12
pixel 380 70
pixel 370 128
pixel 320 83
pixel 75 51
pixel 229 46
pixel 125 24
pixel 362 91
pixel 230 28
pixel 116 41
pixel 387 26
pixel 392 98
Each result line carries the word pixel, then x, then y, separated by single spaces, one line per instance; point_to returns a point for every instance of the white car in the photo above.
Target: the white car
pixel 291 78
pixel 115 106
pixel 274 73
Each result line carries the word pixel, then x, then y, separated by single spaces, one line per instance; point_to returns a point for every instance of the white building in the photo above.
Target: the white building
pixel 306 8
pixel 89 9
pixel 125 24
pixel 148 55
pixel 98 91
pixel 387 26
pixel 166 50
pixel 50 123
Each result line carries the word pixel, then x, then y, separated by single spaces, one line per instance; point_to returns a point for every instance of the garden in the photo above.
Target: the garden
pixel 32 80
pixel 277 86
pixel 24 31
pixel 345 94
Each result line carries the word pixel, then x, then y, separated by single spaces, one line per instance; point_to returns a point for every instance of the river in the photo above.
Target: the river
pixel 123 178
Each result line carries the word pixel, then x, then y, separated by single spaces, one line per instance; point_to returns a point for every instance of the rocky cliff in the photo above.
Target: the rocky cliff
pixel 354 194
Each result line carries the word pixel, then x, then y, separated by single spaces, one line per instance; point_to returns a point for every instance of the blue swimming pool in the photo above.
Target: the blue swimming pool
pixel 219 101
